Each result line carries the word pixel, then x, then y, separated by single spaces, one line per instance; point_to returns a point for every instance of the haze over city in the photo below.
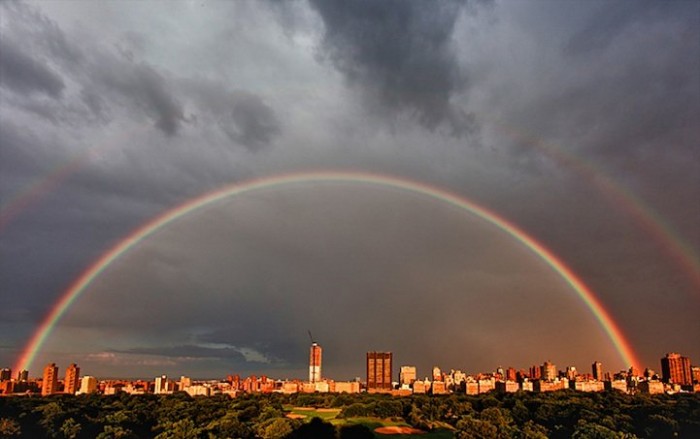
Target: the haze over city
pixel 573 122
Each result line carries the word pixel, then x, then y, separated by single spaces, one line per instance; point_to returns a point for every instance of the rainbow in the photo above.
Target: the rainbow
pixel 648 219
pixel 74 291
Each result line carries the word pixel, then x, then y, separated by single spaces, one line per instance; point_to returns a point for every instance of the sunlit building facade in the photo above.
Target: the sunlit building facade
pixel 49 384
pixel 315 357
pixel 675 369
pixel 72 381
pixel 379 370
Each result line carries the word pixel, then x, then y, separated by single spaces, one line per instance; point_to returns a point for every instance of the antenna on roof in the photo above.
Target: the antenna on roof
pixel 310 336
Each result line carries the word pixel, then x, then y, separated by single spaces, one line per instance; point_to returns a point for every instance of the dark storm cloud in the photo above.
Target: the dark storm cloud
pixel 21 73
pixel 613 19
pixel 146 87
pixel 401 55
pixel 243 116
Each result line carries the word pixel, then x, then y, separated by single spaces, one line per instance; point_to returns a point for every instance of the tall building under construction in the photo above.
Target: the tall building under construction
pixel 315 363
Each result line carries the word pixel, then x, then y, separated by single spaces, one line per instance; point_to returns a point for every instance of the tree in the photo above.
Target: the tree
pixel 70 428
pixel 276 429
pixel 9 428
pixel 182 429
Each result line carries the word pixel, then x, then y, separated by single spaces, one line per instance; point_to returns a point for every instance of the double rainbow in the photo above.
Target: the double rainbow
pixel 79 286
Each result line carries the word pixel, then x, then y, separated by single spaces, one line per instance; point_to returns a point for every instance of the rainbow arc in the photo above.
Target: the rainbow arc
pixel 81 284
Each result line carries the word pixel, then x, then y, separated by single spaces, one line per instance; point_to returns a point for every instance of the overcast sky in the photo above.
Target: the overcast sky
pixel 577 121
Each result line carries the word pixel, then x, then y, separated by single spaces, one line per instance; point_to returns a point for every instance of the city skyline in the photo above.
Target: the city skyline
pixel 195 186
pixel 677 375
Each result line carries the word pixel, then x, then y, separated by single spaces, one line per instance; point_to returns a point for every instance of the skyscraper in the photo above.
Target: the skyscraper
pixel 50 381
pixel 315 363
pixel 597 371
pixel 378 370
pixel 72 382
pixel 676 369
pixel 5 374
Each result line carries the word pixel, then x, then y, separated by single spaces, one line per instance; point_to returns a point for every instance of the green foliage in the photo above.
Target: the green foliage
pixel 521 415
pixel 9 428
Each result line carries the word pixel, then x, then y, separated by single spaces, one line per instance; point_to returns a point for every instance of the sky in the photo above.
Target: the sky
pixel 576 121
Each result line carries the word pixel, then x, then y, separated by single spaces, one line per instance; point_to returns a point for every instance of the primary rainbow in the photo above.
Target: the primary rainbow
pixel 40 335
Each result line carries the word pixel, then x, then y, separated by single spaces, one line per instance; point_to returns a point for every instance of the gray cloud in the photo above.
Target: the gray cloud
pixel 23 74
pixel 243 116
pixel 401 55
pixel 143 85
pixel 618 95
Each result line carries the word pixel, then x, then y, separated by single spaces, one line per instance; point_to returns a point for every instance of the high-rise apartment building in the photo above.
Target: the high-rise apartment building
pixel 597 368
pixel 72 382
pixel 5 374
pixel 49 384
pixel 549 371
pixel 315 354
pixel 407 375
pixel 378 370
pixel 675 368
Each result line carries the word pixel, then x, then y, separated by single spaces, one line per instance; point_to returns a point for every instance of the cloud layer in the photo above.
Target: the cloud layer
pixel 575 121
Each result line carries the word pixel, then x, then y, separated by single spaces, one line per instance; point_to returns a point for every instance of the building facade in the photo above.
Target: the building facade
pixel 49 385
pixel 72 381
pixel 379 370
pixel 675 369
pixel 597 369
pixel 315 354
pixel 407 375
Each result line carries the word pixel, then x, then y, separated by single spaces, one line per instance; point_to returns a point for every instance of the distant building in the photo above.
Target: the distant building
pixel 535 372
pixel 72 381
pixel 346 387
pixel 508 386
pixel 549 371
pixel 676 369
pixel 379 371
pixel 597 368
pixel 88 384
pixel 437 374
pixel 651 387
pixel 695 373
pixel 407 375
pixel 587 386
pixel 439 388
pixel 163 385
pixel 421 387
pixel 49 384
pixel 511 374
pixel 620 385
pixel 5 374
pixel 550 386
pixel 23 375
pixel 315 363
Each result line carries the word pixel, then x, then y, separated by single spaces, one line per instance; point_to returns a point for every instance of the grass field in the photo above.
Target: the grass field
pixel 331 415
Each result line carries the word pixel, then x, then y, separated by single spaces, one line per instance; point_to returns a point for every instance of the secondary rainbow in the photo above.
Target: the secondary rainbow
pixel 74 291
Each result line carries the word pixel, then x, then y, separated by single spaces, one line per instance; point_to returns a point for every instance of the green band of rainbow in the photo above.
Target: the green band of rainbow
pixel 39 337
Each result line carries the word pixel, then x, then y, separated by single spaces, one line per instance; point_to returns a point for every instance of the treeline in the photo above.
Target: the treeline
pixel 564 414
